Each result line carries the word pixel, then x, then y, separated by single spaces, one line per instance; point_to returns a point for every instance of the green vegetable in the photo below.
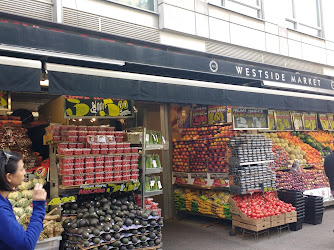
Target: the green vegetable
pixel 27 184
pixel 13 202
pixel 27 194
pixel 18 211
pixel 23 202
pixel 15 196
pixel 28 210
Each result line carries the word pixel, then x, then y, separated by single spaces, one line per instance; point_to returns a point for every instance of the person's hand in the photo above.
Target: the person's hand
pixel 39 193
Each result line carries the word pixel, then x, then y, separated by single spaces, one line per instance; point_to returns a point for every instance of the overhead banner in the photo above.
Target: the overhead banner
pixel 310 121
pixel 250 119
pixel 283 119
pixel 87 107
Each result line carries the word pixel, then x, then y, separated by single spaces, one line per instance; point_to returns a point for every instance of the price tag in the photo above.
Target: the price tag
pixel 90 139
pixel 101 138
pixel 147 138
pixel 57 201
pixel 154 162
pixel 111 139
pixel 159 184
pixel 152 183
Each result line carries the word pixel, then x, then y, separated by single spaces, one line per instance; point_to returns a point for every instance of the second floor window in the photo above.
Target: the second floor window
pixel 251 8
pixel 142 4
pixel 305 16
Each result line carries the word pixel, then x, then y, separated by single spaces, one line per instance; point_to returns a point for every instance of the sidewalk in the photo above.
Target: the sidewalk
pixel 201 233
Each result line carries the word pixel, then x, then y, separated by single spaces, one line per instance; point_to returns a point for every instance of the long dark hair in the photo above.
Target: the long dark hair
pixel 8 164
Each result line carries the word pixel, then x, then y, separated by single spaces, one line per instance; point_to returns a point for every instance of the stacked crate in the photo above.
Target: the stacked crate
pixel 314 209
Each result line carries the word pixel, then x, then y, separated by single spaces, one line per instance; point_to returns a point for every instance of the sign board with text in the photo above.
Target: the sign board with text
pixel 108 188
pixel 272 120
pixel 217 114
pixel 88 107
pixel 330 121
pixel 310 121
pixel 283 119
pixel 297 118
pixel 5 100
pixel 250 118
pixel 324 123
pixel 199 116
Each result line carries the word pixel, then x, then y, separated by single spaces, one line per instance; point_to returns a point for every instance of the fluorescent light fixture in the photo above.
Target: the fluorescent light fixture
pixel 283 85
pixel 33 51
pixel 44 83
pixel 19 62
pixel 176 81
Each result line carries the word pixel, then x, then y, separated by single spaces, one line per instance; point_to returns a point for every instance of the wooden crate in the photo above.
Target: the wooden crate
pixel 251 224
pixel 290 217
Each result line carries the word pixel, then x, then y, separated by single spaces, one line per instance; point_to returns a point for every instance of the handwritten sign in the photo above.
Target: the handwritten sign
pixel 310 121
pixel 217 114
pixel 272 120
pixel 331 121
pixel 283 119
pixel 4 100
pixel 108 188
pixel 250 118
pixel 298 121
pixel 86 107
pixel 57 201
pixel 323 118
pixel 199 116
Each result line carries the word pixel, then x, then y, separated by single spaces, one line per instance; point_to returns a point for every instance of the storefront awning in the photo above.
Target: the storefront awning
pixel 19 74
pixel 81 81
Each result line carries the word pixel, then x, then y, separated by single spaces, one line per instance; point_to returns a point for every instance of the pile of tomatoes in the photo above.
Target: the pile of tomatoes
pixel 258 205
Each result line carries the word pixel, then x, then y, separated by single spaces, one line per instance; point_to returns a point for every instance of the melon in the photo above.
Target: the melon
pixel 292 157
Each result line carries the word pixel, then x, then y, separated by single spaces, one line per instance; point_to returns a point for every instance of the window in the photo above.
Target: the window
pixel 251 8
pixel 142 4
pixel 305 16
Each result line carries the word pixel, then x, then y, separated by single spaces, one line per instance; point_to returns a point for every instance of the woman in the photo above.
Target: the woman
pixel 12 234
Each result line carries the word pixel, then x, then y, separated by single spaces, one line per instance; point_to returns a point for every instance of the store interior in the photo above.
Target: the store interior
pixel 115 169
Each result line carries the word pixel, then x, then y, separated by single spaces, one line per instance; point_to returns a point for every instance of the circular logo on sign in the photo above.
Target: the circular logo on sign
pixel 332 84
pixel 213 66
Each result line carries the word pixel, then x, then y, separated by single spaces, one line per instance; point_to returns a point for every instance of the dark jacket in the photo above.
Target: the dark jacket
pixel 12 234
pixel 329 169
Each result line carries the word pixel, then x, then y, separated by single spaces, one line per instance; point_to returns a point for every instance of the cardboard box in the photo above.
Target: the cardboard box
pixel 290 217
pixel 180 178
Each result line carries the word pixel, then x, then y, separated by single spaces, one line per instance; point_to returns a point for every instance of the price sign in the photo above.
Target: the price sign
pixel 283 119
pixel 217 114
pixel 323 118
pixel 5 100
pixel 57 201
pixel 250 118
pixel 199 116
pixel 87 107
pixel 330 121
pixel 272 120
pixel 108 188
pixel 310 121
pixel 298 121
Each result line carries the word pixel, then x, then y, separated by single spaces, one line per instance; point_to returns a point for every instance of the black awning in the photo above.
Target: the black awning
pixel 19 74
pixel 81 84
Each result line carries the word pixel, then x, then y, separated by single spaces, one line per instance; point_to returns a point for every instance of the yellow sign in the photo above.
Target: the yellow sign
pixel 57 201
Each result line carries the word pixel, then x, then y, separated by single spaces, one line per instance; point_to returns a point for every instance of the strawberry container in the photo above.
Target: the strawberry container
pixel 66 166
pixel 95 151
pixel 79 160
pixel 99 158
pixel 62 145
pixel 89 181
pixel 134 150
pixel 134 161
pixel 89 170
pixel 108 179
pixel 111 150
pixel 135 171
pixel 67 178
pixel 80 145
pixel 82 133
pixel 99 180
pixel 91 128
pixel 108 174
pixel 118 174
pixel 56 133
pixel 99 164
pixel 109 163
pixel 117 158
pixel 77 151
pixel 78 170
pixel 104 145
pixel 117 179
pixel 110 128
pixel 109 168
pixel 99 128
pixel 119 150
pixel 126 162
pixel 126 150
pixel 89 165
pixel 86 151
pixel 72 133
pixel 118 163
pixel 79 177
pixel 57 138
pixel 104 151
pixel 72 138
pixel 126 144
pixel 79 182
pixel 72 145
pixel 89 176
pixel 126 167
pixel 68 183
pixel 126 177
pixel 79 165
pixel 118 139
pixel 66 160
pixel 82 139
pixel 109 158
pixel 119 145
pixel 133 166
pixel 99 169
pixel 95 145
pixel 110 133
pixel 92 133
pixel 82 128
pixel 134 156
pixel 100 175
pixel 89 159
pixel 118 168
pixel 126 172
pixel 134 176
pixel 126 157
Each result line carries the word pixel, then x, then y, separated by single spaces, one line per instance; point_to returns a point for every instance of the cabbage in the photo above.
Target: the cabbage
pixel 23 202
pixel 35 181
pixel 42 181
pixel 15 196
pixel 28 210
pixel 13 202
pixel 18 211
pixel 27 194
pixel 26 184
